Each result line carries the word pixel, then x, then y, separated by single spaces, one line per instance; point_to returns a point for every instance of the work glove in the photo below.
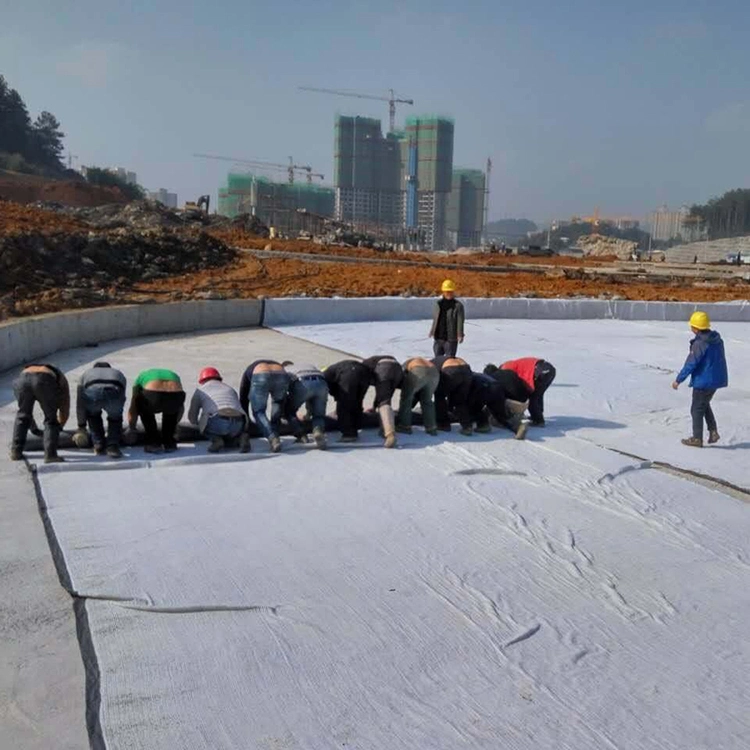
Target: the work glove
pixel 81 438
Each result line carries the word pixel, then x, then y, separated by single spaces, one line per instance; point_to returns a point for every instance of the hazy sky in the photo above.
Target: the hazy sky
pixel 580 103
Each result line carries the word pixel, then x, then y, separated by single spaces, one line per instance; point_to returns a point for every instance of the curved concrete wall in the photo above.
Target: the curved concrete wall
pixel 300 311
pixel 32 338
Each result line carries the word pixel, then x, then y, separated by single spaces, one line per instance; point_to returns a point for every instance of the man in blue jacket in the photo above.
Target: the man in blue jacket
pixel 706 366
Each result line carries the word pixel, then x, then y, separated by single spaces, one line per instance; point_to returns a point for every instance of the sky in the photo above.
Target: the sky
pixel 581 105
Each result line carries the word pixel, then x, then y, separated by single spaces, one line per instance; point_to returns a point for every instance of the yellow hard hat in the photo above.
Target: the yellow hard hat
pixel 448 286
pixel 700 321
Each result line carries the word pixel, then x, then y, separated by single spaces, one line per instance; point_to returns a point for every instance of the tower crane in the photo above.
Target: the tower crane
pixel 290 168
pixel 392 100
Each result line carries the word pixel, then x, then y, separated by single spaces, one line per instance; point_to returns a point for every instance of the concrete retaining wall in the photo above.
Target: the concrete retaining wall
pixel 33 338
pixel 296 311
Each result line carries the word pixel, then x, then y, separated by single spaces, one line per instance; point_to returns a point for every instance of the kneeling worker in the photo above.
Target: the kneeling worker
pixel 47 385
pixel 308 387
pixel 101 388
pixel 215 408
pixel 348 382
pixel 387 375
pixel 157 391
pixel 538 375
pixel 264 378
pixel 421 379
pixel 452 393
pixel 489 399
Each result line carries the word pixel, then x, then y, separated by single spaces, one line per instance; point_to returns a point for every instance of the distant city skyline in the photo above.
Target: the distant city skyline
pixel 624 107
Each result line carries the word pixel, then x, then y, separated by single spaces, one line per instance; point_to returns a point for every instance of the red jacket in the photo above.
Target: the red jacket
pixel 524 368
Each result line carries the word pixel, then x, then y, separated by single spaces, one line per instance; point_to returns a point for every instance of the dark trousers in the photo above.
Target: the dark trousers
pixel 167 403
pixel 453 394
pixel 110 399
pixel 544 374
pixel 30 388
pixel 349 390
pixel 701 409
pixel 388 376
pixel 442 347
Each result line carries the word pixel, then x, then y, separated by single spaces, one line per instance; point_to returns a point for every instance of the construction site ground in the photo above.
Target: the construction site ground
pixel 231 263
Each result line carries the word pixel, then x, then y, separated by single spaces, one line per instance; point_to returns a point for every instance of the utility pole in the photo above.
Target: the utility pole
pixel 487 198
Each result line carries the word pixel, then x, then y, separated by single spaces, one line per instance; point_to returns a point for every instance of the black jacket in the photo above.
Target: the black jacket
pixel 513 386
pixel 454 320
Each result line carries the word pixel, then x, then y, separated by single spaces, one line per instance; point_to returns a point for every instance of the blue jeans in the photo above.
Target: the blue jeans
pixel 263 385
pixel 225 427
pixel 313 392
pixel 110 399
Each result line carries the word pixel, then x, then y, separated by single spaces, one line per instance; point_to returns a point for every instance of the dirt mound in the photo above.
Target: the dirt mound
pixel 598 245
pixel 24 188
pixel 15 218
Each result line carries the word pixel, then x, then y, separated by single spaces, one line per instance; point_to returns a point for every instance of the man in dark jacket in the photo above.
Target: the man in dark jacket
pixel 101 388
pixel 706 366
pixel 447 322
pixel 348 382
pixel 452 393
pixel 45 384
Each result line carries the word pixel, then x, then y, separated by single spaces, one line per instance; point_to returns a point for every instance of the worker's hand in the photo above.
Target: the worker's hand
pixel 460 339
pixel 675 385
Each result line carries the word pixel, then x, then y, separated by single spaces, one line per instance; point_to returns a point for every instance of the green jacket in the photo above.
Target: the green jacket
pixel 454 321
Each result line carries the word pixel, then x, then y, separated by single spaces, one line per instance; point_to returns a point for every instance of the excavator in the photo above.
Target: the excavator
pixel 201 205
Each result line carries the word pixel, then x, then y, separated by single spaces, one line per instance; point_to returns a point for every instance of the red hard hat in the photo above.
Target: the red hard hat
pixel 208 373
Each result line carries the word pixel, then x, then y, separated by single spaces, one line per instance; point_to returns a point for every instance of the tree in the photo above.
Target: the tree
pixel 47 140
pixel 15 123
pixel 105 178
pixel 726 216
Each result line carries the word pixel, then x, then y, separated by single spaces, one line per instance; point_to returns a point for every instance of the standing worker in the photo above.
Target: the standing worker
pixel 215 408
pixel 47 385
pixel 387 374
pixel 447 322
pixel 157 391
pixel 264 378
pixel 308 387
pixel 348 382
pixel 538 375
pixel 101 388
pixel 452 393
pixel 706 365
pixel 421 379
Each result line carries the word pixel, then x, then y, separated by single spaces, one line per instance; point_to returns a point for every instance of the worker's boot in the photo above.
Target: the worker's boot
pixel 467 431
pixel 713 437
pixel 301 437
pixel 113 451
pixel 16 454
pixel 403 429
pixel 244 443
pixel 51 435
pixel 81 438
pixel 275 443
pixel 693 442
pixel 319 436
pixel 217 444
pixel 484 428
pixel 388 422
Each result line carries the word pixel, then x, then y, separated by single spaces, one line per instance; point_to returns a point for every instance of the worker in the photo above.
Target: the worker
pixel 421 379
pixel 387 375
pixel 264 378
pixel 348 382
pixel 706 366
pixel 537 374
pixel 447 321
pixel 215 408
pixel 488 399
pixel 101 388
pixel 452 393
pixel 514 388
pixel 157 391
pixel 308 386
pixel 45 384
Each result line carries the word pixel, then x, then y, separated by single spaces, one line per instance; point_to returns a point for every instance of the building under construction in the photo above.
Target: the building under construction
pixel 290 208
pixel 466 202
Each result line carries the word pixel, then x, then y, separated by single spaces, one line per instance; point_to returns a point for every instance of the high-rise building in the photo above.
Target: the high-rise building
pixel 164 197
pixel 367 171
pixel 428 146
pixel 278 204
pixel 465 217
pixel 666 224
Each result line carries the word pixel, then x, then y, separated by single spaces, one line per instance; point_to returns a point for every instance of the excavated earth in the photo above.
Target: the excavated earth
pixel 54 257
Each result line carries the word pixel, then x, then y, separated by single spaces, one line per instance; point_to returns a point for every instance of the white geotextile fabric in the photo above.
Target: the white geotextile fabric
pixel 459 592
pixel 613 383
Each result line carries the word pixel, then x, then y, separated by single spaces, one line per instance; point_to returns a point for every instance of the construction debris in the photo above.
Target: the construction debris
pixel 597 245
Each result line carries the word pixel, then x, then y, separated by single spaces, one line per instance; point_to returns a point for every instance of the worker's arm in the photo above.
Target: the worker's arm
pixel 133 411
pixel 80 408
pixel 698 351
pixel 195 407
pixel 63 411
pixel 460 321
pixel 245 392
pixel 435 315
